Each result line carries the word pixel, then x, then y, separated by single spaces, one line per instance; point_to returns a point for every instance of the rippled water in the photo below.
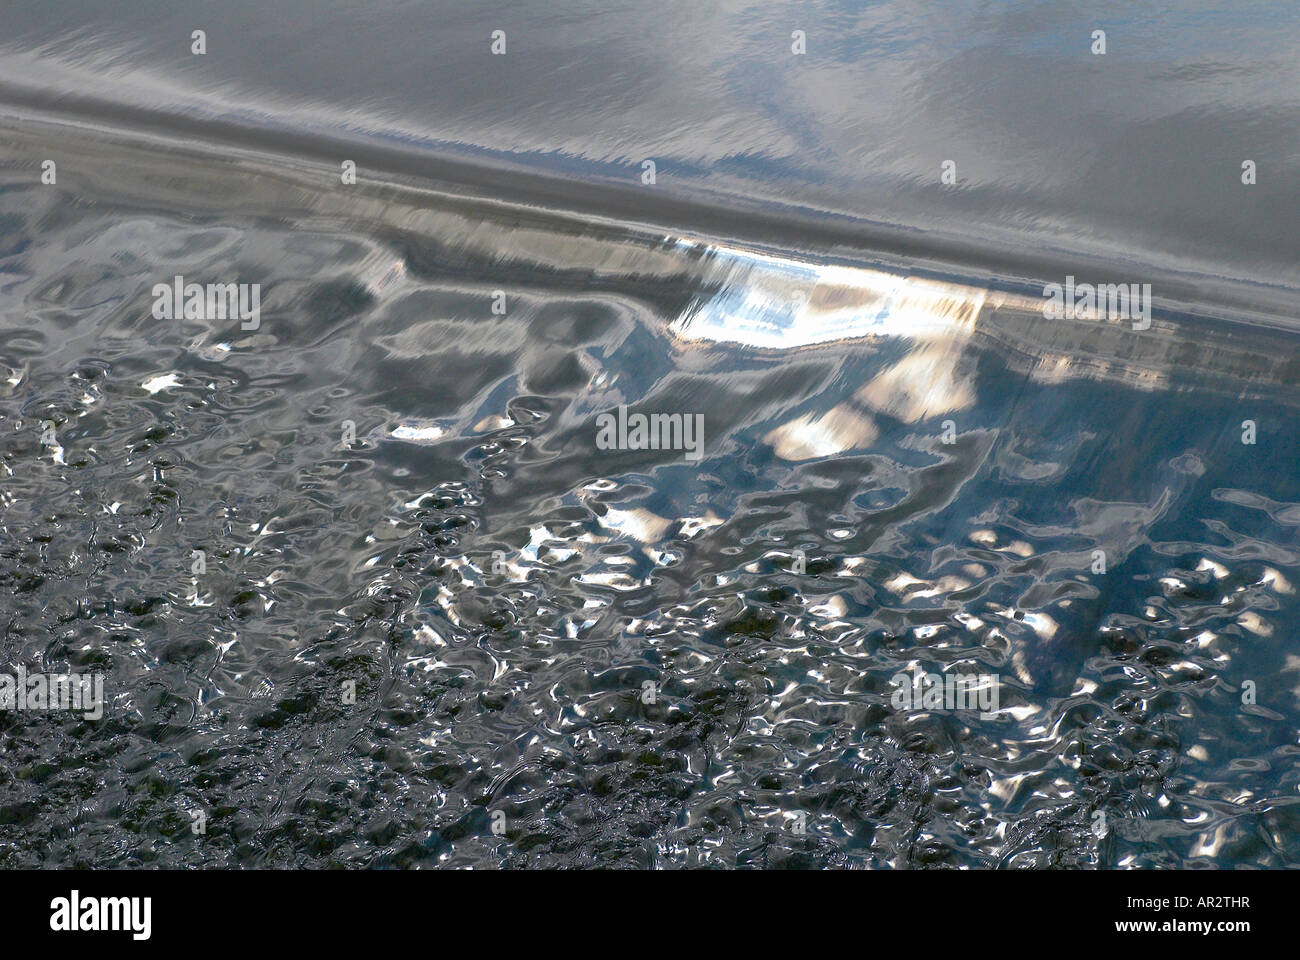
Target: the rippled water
pixel 500 589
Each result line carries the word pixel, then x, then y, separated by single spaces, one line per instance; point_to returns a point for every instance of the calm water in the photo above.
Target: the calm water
pixel 398 489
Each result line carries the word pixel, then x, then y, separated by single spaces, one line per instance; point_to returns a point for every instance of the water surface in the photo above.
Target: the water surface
pixel 497 588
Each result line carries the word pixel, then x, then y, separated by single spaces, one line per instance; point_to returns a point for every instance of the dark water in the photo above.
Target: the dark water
pixel 498 589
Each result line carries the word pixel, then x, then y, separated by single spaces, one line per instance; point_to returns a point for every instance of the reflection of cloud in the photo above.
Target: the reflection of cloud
pixel 774 302
pixel 638 523
pixel 782 303
pixel 922 384
pixel 840 428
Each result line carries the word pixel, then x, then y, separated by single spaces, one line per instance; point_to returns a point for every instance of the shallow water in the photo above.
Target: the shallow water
pixel 500 589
